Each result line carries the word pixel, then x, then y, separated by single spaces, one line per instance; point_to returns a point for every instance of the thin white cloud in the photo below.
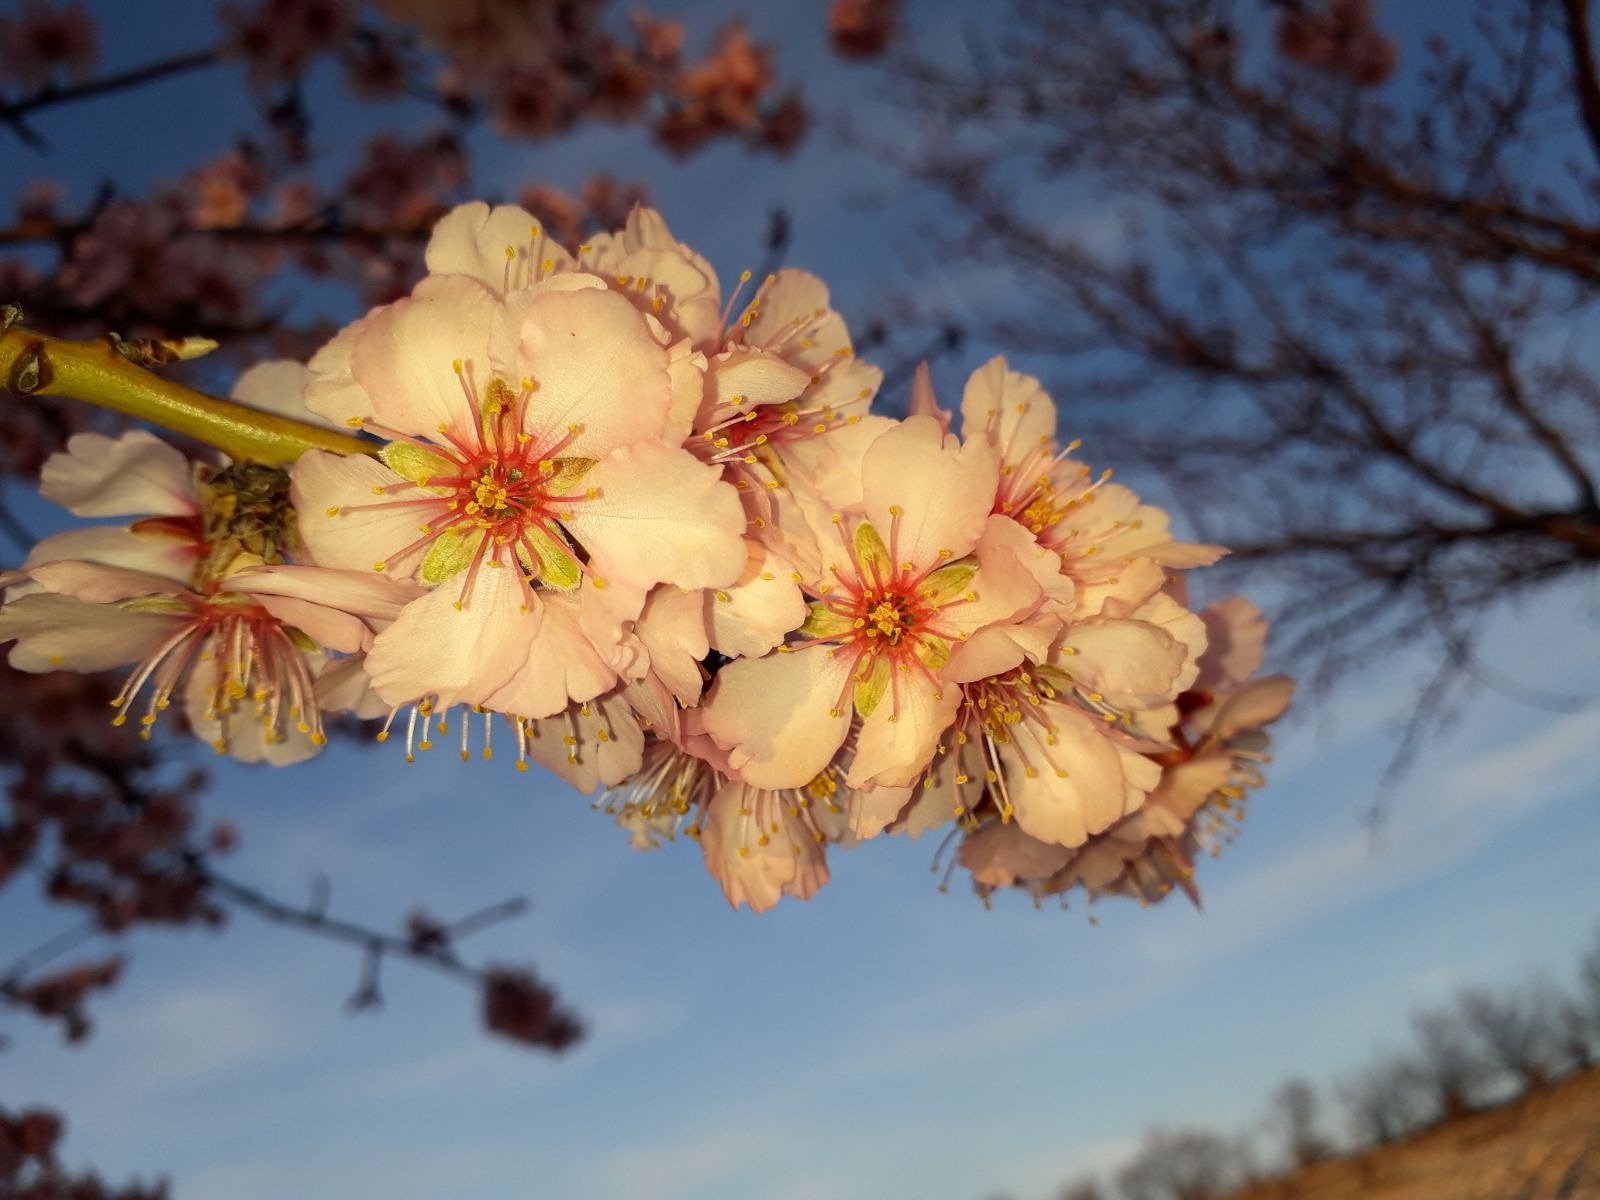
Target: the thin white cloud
pixel 684 1166
pixel 1445 818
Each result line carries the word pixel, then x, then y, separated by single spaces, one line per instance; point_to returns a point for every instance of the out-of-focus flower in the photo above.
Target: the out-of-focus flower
pixel 44 40
pixel 1340 38
pixel 376 66
pixel 863 28
pixel 517 1006
pixel 661 40
pixel 278 38
pixel 402 184
pixel 224 189
pixel 718 95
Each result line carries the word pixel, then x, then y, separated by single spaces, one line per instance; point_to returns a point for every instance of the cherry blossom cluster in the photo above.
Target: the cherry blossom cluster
pixel 220 250
pixel 1219 746
pixel 30 1168
pixel 654 538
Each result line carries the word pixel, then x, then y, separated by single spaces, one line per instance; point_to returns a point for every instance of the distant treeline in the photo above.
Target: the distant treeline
pixel 1482 1050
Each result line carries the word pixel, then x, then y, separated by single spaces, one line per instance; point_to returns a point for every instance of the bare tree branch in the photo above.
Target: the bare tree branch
pixel 1585 80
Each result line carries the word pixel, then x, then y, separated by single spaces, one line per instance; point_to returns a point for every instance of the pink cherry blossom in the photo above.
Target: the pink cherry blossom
pixel 897 587
pixel 525 459
pixel 1108 542
pixel 759 844
pixel 1197 804
pixel 1058 737
pixel 193 605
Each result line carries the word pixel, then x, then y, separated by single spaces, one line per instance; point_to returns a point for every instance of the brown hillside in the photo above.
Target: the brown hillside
pixel 1545 1146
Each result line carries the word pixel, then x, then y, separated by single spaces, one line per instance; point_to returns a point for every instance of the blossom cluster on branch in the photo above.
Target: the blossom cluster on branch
pixel 209 252
pixel 659 540
pixel 30 1170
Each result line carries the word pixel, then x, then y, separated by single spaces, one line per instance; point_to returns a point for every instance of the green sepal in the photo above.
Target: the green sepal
pixel 933 652
pixel 869 691
pixel 449 555
pixel 564 474
pixel 947 583
pixel 870 552
pixel 415 463
pixel 556 568
pixel 303 640
pixel 822 622
pixel 155 604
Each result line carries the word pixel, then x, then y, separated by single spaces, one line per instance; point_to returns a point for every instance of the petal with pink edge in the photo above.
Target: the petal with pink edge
pixel 872 810
pixel 343 686
pixel 896 743
pixel 344 525
pixel 943 489
pixel 62 632
pixel 560 666
pixel 461 656
pixel 1075 780
pixel 589 745
pixel 751 615
pixel 793 318
pixel 756 852
pixel 331 390
pixel 780 717
pixel 406 355
pixel 1235 644
pixel 241 734
pixel 99 584
pixel 999 854
pixel 1010 410
pixel 1253 706
pixel 600 375
pixel 362 593
pixel 1132 663
pixel 673 630
pixel 504 248
pixel 279 386
pixel 923 402
pixel 686 368
pixel 659 515
pixel 327 627
pixel 119 546
pixel 135 474
pixel 742 378
pixel 1182 790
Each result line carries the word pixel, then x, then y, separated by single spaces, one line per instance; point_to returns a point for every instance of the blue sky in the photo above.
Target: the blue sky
pixel 884 1040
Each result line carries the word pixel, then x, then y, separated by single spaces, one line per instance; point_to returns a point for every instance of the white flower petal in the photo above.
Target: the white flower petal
pixel 135 474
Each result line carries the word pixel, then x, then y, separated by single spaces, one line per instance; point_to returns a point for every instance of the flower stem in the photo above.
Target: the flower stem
pixel 32 364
